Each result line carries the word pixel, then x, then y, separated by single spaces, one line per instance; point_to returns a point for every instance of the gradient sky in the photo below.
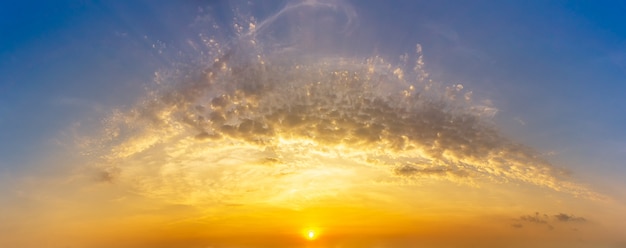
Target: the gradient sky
pixel 231 124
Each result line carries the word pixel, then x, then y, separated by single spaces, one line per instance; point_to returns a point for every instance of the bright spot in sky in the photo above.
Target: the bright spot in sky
pixel 311 235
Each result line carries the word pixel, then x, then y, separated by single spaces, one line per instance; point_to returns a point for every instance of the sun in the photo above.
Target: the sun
pixel 311 235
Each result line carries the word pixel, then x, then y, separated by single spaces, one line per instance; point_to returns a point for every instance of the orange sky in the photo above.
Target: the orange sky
pixel 261 146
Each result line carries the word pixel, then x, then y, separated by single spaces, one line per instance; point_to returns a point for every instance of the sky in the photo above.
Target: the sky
pixel 312 123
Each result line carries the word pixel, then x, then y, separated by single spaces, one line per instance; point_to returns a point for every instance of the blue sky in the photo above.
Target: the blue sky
pixel 554 70
pixel 556 66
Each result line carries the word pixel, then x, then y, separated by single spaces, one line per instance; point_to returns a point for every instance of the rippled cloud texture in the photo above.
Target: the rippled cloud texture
pixel 265 113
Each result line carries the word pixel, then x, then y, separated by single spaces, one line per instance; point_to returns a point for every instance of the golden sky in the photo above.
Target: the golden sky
pixel 271 148
pixel 261 155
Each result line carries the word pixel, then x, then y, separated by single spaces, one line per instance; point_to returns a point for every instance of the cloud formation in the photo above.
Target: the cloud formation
pixel 537 218
pixel 569 218
pixel 254 113
pixel 548 220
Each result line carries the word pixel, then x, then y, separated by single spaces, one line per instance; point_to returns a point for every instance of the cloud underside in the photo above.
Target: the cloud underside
pixel 548 220
pixel 263 117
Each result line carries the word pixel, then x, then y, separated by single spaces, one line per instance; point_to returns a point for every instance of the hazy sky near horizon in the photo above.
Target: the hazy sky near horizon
pixel 241 124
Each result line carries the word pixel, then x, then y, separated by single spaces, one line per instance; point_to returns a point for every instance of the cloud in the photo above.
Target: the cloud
pixel 569 218
pixel 356 108
pixel 437 171
pixel 252 114
pixel 105 176
pixel 548 220
pixel 537 218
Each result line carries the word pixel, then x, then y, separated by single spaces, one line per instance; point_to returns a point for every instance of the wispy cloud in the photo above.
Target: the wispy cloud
pixel 569 218
pixel 537 218
pixel 548 220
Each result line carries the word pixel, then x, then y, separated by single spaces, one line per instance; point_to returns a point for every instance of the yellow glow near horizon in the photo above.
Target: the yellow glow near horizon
pixel 311 234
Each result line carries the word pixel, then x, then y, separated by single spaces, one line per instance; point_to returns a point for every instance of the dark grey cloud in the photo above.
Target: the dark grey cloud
pixel 536 218
pixel 547 220
pixel 107 175
pixel 568 218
